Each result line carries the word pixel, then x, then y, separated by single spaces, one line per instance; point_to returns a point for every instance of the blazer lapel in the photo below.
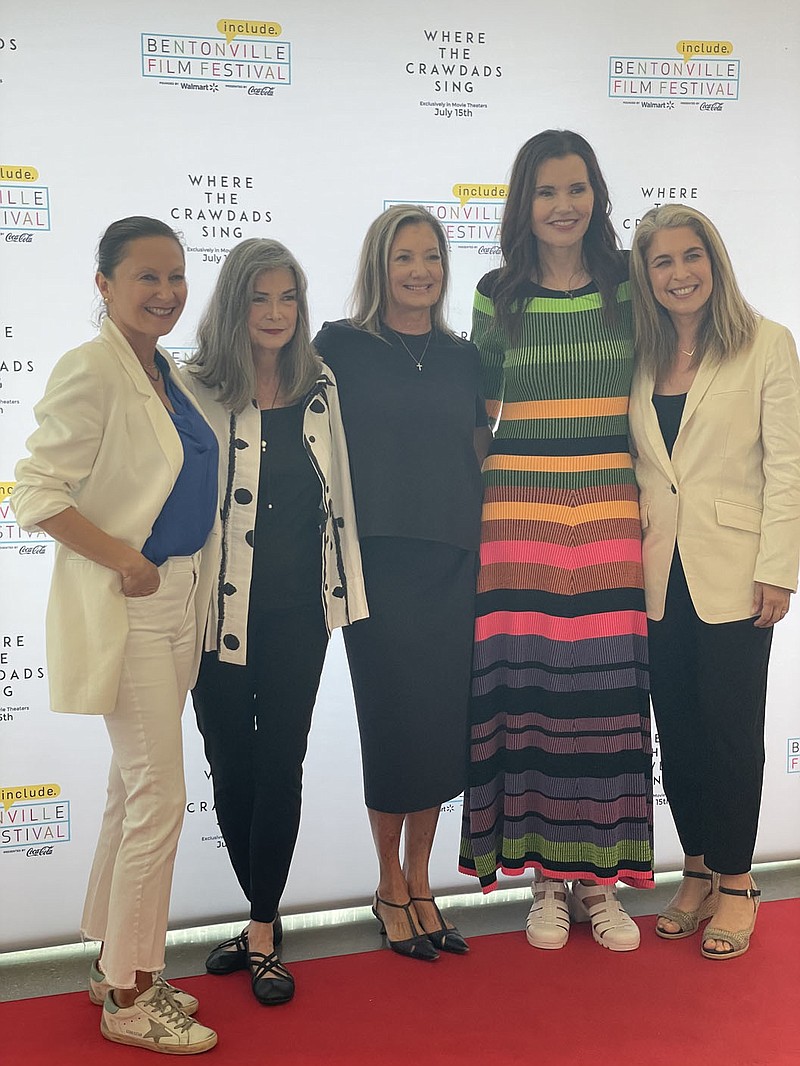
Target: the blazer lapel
pixel 706 373
pixel 643 386
pixel 164 430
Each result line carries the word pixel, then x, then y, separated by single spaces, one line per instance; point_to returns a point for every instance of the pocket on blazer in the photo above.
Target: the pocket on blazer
pixel 738 515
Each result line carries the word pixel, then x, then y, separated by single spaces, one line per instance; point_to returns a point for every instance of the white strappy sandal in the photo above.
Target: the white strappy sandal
pixel 612 928
pixel 547 925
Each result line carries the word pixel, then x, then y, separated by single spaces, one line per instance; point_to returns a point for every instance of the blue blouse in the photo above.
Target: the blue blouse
pixel 188 512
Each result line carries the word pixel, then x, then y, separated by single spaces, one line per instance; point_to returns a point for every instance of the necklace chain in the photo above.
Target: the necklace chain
pixel 417 360
pixel 154 366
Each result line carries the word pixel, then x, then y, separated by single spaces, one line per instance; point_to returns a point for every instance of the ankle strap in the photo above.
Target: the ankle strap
pixel 750 893
pixel 698 874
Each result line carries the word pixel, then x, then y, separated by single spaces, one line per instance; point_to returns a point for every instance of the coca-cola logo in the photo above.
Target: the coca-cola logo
pixel 31 549
pixel 47 850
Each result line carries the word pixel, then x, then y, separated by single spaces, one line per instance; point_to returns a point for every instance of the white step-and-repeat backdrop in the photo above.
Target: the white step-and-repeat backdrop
pixel 301 121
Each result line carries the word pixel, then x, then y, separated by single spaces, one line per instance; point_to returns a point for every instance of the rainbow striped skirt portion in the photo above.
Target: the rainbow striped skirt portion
pixel 561 760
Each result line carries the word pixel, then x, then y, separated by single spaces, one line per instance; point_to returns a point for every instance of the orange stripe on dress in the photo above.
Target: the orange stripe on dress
pixel 568 516
pixel 560 464
pixel 589 407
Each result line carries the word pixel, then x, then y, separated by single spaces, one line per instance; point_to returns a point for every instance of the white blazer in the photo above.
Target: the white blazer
pixel 107 446
pixel 730 495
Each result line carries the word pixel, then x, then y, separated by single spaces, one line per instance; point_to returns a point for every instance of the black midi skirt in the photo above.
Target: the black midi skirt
pixel 410 664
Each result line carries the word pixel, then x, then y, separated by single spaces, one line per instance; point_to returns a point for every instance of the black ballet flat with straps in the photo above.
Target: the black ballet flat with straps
pixel 270 991
pixel 231 955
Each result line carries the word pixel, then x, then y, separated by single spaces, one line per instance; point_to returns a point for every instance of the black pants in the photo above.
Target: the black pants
pixel 255 721
pixel 709 687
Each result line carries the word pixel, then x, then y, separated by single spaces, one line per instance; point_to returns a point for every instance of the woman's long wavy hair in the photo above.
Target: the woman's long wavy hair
pixel 521 249
pixel 224 355
pixel 729 323
pixel 371 290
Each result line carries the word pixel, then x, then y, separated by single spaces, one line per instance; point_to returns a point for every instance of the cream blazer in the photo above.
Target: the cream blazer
pixel 730 495
pixel 105 445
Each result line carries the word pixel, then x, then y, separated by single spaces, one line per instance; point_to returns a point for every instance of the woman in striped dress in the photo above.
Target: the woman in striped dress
pixel 560 776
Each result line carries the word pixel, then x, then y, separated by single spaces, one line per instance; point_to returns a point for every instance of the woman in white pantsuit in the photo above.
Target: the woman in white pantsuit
pixel 122 474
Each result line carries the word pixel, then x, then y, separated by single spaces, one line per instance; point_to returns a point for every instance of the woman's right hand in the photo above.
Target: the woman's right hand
pixel 140 577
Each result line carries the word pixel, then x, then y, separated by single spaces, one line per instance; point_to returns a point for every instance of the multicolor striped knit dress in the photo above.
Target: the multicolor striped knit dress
pixel 561 761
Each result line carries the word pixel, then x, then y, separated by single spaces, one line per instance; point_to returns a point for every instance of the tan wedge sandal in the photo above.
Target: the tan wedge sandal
pixel 689 921
pixel 740 939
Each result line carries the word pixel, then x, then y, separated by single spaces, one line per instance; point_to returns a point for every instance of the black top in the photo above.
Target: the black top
pixel 410 432
pixel 669 411
pixel 287 555
pixel 529 289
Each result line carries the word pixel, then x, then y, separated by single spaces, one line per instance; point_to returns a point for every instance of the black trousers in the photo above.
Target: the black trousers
pixel 255 721
pixel 709 687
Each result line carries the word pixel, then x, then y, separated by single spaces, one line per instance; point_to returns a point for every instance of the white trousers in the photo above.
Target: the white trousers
pixel 127 901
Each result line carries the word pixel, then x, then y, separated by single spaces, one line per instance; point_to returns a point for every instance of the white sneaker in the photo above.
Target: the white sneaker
pixel 547 925
pixel 612 928
pixel 99 989
pixel 155 1021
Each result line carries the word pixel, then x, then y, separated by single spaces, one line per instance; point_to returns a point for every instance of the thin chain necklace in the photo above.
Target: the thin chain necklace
pixel 155 367
pixel 417 361
pixel 691 353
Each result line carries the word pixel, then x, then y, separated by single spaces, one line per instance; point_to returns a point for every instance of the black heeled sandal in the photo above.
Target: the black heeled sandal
pixel 446 938
pixel 417 946
pixel 270 991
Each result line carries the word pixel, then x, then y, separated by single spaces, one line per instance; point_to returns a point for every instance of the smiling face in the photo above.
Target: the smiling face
pixel 415 275
pixel 147 292
pixel 273 311
pixel 680 272
pixel 562 202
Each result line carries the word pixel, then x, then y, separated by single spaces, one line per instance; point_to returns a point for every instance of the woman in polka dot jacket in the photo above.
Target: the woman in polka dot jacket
pixel 290 572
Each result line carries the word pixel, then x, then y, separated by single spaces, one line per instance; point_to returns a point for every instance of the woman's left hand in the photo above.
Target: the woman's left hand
pixel 770 603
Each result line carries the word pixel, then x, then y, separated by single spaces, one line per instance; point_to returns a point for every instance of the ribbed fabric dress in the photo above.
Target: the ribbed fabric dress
pixel 561 759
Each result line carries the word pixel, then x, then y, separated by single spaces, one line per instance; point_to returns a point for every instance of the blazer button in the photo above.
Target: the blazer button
pixel 673 490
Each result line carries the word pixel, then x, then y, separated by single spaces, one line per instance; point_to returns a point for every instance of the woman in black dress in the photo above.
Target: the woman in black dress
pixel 410 402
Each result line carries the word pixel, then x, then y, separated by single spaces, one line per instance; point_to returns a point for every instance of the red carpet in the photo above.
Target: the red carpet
pixel 505 1002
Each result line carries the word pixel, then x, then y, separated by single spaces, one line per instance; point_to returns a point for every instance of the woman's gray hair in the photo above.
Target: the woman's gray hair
pixel 370 296
pixel 224 355
pixel 729 323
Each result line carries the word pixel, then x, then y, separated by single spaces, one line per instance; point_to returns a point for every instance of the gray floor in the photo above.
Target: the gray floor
pixel 47 971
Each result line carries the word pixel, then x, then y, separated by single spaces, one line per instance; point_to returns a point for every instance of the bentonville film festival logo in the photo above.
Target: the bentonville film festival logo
pixel 473 219
pixel 33 819
pixel 12 535
pixel 24 203
pixel 706 77
pixel 248 56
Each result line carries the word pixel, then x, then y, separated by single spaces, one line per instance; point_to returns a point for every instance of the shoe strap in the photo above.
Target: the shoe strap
pixel 439 916
pixel 266 964
pixel 698 874
pixel 749 893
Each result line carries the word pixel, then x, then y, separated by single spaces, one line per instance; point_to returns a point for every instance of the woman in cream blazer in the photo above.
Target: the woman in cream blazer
pixel 715 422
pixel 122 474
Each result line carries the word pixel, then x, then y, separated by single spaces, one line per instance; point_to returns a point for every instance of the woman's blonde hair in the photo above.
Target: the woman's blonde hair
pixel 729 323
pixel 224 356
pixel 371 290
